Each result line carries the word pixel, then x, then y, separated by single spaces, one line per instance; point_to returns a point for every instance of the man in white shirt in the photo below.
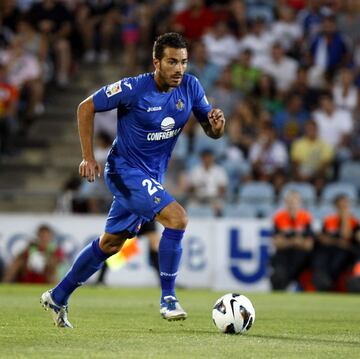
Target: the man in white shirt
pixel 208 182
pixel 279 66
pixel 335 126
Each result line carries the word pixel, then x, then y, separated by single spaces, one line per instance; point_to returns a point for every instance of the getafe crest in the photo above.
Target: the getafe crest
pixel 179 105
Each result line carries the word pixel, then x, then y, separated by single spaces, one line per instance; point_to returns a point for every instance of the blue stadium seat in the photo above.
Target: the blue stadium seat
pixel 306 191
pixel 320 212
pixel 199 210
pixel 332 190
pixel 242 210
pixel 256 193
pixel 350 173
pixel 247 210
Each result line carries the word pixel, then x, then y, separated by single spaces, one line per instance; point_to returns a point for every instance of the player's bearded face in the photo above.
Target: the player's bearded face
pixel 171 68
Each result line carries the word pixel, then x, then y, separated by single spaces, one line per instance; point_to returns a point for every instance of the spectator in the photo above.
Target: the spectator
pixel 237 20
pixel 244 74
pixel 55 22
pixel 130 32
pixel 195 20
pixel 335 126
pixel 8 103
pixel 290 122
pixel 269 157
pixel 220 44
pixel 309 93
pixel 280 67
pixel 201 67
pixel 328 49
pixel 310 18
pixel 334 248
pixel 293 241
pixel 39 262
pixel 286 31
pixel 96 195
pixel 311 157
pixel 24 73
pixel 207 182
pixel 223 94
pixel 265 94
pixel 344 92
pixel 258 40
pixel 243 127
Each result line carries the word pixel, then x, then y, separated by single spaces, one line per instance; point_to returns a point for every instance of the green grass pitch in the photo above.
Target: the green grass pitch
pixel 125 323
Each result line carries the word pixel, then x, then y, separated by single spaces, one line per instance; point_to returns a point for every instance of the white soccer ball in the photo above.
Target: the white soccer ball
pixel 233 314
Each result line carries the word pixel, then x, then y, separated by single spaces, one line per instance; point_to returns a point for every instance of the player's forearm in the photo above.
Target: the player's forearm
pixel 208 129
pixel 85 118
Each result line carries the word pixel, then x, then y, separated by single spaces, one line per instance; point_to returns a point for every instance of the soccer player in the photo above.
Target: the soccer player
pixel 152 109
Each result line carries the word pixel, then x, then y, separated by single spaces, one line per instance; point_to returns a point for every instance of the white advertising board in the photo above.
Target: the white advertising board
pixel 220 254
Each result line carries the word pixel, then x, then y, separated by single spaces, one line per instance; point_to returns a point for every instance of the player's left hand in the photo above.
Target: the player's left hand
pixel 217 120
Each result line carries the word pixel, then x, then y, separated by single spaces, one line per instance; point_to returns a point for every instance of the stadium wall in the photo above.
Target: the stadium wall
pixel 223 254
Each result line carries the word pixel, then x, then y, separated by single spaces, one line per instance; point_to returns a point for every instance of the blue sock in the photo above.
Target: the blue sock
pixel 169 259
pixel 89 261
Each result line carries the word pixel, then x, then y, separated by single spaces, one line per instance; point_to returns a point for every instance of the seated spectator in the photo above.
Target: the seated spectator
pixel 280 67
pixel 237 20
pixel 286 30
pixel 39 262
pixel 311 157
pixel 201 67
pixel 269 157
pixel 97 18
pixel 207 182
pixel 329 49
pixel 290 122
pixel 221 45
pixel 293 241
pixel 244 75
pixel 335 126
pixel 243 127
pixel 345 92
pixel 309 93
pixel 55 22
pixel 258 40
pixel 265 94
pixel 194 20
pixel 223 94
pixel 334 248
pixel 96 196
pixel 8 103
pixel 24 73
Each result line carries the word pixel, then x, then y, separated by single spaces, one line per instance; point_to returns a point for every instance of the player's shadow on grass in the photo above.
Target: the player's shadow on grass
pixel 297 338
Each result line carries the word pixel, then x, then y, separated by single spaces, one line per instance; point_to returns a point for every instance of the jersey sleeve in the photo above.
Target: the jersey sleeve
pixel 201 105
pixel 111 96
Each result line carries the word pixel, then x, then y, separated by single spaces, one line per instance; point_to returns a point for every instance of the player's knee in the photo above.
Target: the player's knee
pixel 178 219
pixel 112 243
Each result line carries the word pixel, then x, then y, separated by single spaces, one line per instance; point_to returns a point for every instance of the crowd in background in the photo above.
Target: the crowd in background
pixel 286 74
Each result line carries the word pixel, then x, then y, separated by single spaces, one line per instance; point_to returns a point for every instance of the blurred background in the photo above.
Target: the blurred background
pixel 286 74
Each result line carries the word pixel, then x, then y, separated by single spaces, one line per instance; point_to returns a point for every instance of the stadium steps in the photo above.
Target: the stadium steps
pixel 33 180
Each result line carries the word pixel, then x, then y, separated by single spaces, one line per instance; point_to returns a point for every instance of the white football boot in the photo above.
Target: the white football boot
pixel 58 312
pixel 171 310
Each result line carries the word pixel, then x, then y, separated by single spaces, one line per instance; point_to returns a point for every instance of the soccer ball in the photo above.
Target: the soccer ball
pixel 233 313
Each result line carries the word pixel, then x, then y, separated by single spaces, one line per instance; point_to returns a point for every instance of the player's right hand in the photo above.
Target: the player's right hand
pixel 89 169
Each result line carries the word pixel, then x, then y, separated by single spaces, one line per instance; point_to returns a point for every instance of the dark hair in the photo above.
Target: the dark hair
pixel 44 227
pixel 339 198
pixel 170 39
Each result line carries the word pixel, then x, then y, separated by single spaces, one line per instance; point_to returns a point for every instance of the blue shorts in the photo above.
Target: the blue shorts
pixel 137 199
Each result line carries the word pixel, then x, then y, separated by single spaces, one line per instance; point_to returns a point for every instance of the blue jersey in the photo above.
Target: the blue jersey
pixel 149 121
